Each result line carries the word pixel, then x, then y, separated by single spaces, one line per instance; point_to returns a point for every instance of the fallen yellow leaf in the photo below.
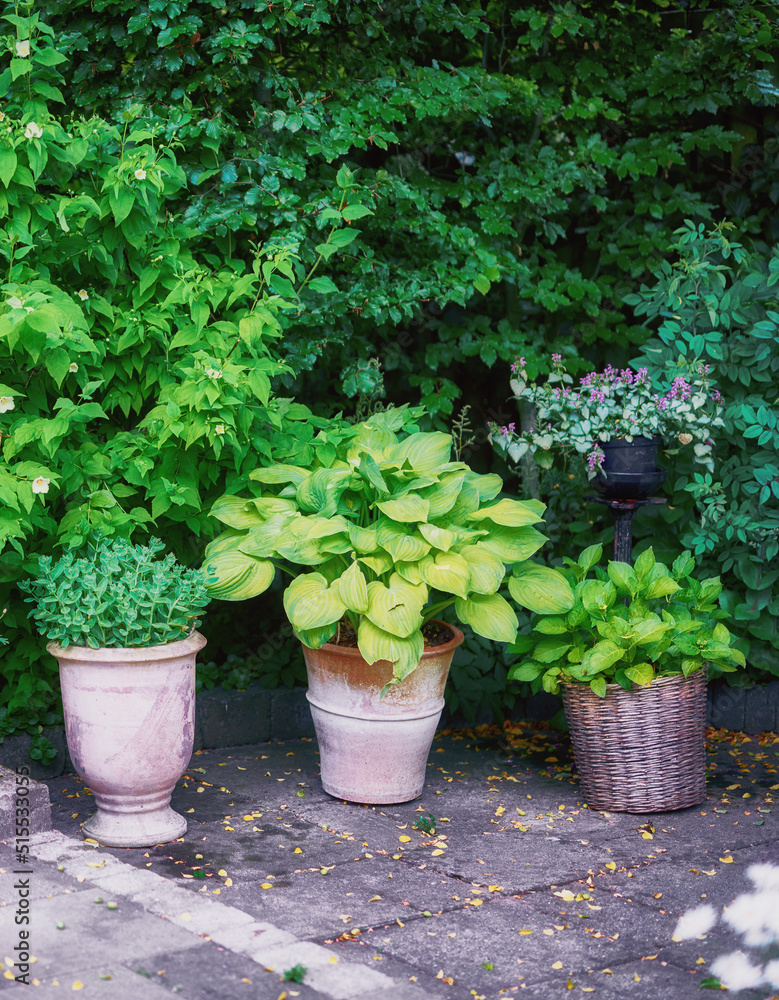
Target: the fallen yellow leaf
pixel 557 965
pixel 727 861
pixel 636 978
pixel 228 881
pixel 332 960
pixel 548 931
pixel 266 885
pixel 607 972
pixel 221 872
pixel 647 836
pixel 404 839
pixel 570 984
pixel 297 851
pixel 78 985
pixel 525 932
pixel 566 894
pixel 437 853
pixel 610 865
pixel 373 899
pixel 700 961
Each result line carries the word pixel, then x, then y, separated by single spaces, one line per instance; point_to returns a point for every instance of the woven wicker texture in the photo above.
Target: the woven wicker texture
pixel 641 750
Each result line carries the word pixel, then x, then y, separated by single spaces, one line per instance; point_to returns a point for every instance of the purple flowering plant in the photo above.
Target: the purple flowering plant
pixel 610 404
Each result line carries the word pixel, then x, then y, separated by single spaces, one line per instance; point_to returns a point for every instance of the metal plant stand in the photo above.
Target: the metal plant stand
pixel 624 511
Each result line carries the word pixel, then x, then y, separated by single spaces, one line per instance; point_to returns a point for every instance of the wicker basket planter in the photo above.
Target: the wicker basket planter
pixel 642 750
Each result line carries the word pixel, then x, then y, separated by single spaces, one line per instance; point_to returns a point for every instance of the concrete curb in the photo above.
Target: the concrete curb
pixel 257 715
pixel 268 946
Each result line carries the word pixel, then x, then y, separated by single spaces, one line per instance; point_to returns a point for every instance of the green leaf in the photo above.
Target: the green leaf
pixel 623 576
pixel 7 165
pixel 440 538
pixel 238 575
pixel 662 587
pixel 598 686
pixel 603 655
pixel 486 570
pixel 647 632
pixel 315 638
pixel 398 608
pixel 512 545
pixel 541 589
pixel 447 572
pixel 527 671
pixel 401 545
pixel 407 509
pixel 551 626
pixel 423 451
pixel 57 364
pixel 352 212
pixel 597 596
pixel 551 649
pixel 235 512
pixel 323 285
pixel 489 615
pixel 644 564
pixel 352 588
pixel 590 557
pixel 641 673
pixel 280 474
pixel 319 492
pixel 311 603
pixel 403 652
pixel 511 513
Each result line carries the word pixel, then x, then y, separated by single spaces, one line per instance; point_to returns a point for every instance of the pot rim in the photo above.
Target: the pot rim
pixel 129 654
pixel 354 652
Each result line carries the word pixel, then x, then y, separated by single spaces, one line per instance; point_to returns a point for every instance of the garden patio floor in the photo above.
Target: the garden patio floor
pixel 522 890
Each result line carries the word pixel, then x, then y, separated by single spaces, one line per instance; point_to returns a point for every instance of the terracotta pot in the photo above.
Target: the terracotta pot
pixel 130 726
pixel 375 749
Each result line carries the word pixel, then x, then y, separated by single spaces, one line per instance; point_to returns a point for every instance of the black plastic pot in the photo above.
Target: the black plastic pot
pixel 629 470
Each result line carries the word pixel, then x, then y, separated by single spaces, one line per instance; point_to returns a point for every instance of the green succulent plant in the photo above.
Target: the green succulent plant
pixel 388 535
pixel 629 625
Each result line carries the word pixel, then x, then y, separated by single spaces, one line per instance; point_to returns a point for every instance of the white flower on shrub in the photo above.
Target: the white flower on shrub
pixel 83 294
pixel 23 48
pixel 755 916
pixel 220 428
pixel 33 131
pixel 72 367
pixel 695 922
pixel 736 972
pixel 40 485
pixel 6 403
pixel 213 373
pixel 140 175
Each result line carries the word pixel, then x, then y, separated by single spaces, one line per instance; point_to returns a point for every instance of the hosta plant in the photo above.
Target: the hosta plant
pixel 115 594
pixel 629 625
pixel 613 404
pixel 387 533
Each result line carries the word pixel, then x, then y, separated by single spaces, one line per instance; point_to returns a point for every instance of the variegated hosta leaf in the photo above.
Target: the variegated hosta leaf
pixel 440 538
pixel 448 572
pixel 295 545
pixel 238 576
pixel 466 503
pixel 489 615
pixel 409 571
pixel 321 527
pixel 513 513
pixel 319 492
pixel 407 509
pixel 280 474
pixel 488 486
pixel 370 472
pixel 235 512
pixel 310 603
pixel 512 545
pixel 379 562
pixel 487 571
pixel 261 541
pixel 372 438
pixel 541 589
pixel 363 539
pixel 265 506
pixel 398 540
pixel 315 638
pixel 423 451
pixel 403 652
pixel 396 609
pixel 353 589
pixel 443 496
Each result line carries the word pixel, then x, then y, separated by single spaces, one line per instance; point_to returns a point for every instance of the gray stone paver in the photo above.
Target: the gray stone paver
pixel 273 873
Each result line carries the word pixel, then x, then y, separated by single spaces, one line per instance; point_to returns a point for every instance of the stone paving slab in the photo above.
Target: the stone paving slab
pixel 514 846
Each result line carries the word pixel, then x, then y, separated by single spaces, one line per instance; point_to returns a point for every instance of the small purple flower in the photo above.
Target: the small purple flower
pixel 557 359
pixel 518 365
pixel 595 458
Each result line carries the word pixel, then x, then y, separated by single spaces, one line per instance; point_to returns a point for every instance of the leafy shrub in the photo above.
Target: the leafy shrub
pixel 116 594
pixel 719 302
pixel 629 625
pixel 137 355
